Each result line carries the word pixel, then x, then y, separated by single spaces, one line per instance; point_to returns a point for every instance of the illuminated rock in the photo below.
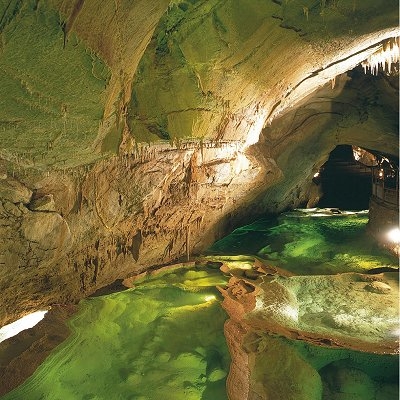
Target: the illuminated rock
pixel 378 287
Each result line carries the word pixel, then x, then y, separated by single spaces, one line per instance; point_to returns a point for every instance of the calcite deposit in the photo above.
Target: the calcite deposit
pixel 356 311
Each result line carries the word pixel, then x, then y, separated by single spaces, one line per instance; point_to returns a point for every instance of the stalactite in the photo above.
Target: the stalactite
pixel 188 242
pixel 387 55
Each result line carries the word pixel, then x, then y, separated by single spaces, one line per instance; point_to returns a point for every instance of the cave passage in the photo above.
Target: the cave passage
pixel 345 183
pixel 309 242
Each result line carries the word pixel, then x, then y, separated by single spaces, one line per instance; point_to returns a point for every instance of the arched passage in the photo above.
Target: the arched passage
pixel 345 183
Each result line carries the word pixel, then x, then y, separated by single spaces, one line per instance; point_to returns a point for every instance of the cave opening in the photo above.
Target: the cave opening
pixel 345 179
pixel 345 183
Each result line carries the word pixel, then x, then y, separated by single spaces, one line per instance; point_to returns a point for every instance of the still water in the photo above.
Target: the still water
pixel 164 338
pixel 309 242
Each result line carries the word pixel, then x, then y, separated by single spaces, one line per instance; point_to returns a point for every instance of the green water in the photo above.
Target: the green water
pixel 309 244
pixel 295 370
pixel 162 340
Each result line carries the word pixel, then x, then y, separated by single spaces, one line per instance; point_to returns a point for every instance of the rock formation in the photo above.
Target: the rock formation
pixel 134 133
pixel 332 311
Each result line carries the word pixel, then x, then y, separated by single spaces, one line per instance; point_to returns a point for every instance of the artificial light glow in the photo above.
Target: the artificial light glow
pixel 210 298
pixel 26 322
pixel 387 55
pixel 396 332
pixel 242 163
pixel 255 129
pixel 394 235
pixel 380 173
pixel 364 157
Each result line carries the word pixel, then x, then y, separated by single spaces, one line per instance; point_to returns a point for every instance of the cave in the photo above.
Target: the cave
pixel 345 184
pixel 199 199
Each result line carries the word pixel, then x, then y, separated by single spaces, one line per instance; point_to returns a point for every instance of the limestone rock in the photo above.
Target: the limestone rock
pixel 136 117
pixel 14 191
pixel 48 230
pixel 45 203
pixel 12 209
pixel 378 287
pixel 61 188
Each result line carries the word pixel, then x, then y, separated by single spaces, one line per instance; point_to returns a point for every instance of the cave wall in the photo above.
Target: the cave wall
pixel 129 129
pixel 70 233
pixel 356 109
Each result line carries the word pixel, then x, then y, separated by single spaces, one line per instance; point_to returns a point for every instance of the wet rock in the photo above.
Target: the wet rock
pixel 214 264
pixel 252 274
pixel 378 287
pixel 216 375
pixel 163 357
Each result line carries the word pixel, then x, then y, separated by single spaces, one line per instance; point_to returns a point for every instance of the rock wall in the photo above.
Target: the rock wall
pixel 75 231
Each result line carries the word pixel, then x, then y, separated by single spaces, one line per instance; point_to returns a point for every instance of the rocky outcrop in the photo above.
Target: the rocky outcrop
pixel 147 207
pixel 13 191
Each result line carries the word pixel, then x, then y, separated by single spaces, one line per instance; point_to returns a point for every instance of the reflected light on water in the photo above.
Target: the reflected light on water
pixel 290 312
pixel 26 322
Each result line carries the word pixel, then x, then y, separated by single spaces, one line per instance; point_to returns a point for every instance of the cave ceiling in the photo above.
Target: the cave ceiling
pixel 76 76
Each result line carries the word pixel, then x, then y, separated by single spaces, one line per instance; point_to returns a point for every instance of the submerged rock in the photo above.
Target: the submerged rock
pixel 378 287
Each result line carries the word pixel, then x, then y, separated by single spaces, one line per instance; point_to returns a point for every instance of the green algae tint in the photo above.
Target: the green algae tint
pixel 309 243
pixel 302 371
pixel 162 340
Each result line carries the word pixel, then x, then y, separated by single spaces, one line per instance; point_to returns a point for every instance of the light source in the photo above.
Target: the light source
pixel 394 235
pixel 26 322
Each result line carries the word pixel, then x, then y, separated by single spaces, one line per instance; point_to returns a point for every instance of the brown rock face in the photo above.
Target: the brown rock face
pixel 14 191
pixel 46 229
pixel 130 130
